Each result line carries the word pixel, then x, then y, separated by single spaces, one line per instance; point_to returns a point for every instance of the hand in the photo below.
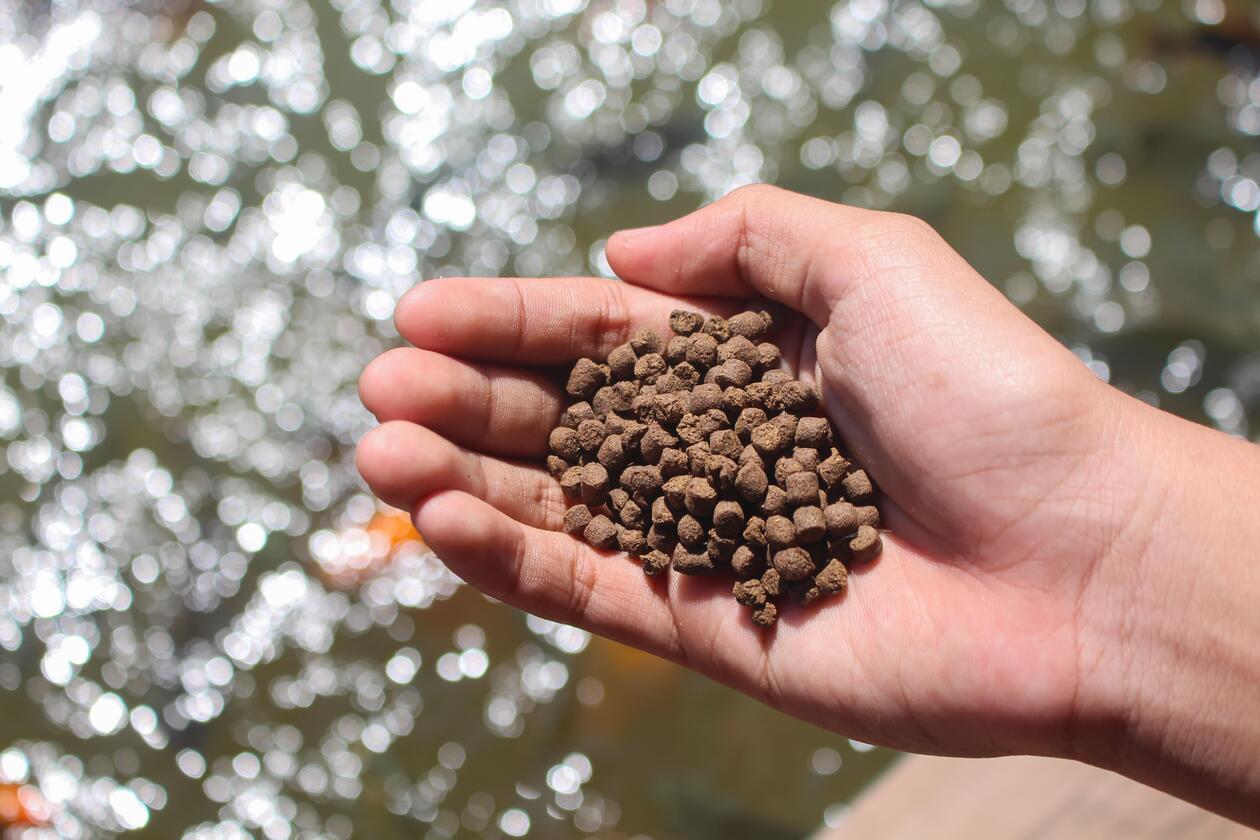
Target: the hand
pixel 1013 483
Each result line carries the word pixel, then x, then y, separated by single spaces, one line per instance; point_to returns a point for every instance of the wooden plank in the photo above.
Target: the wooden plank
pixel 1021 798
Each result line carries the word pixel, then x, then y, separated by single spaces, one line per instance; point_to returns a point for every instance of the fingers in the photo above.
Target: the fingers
pixel 761 240
pixel 489 408
pixel 403 463
pixel 547 573
pixel 545 321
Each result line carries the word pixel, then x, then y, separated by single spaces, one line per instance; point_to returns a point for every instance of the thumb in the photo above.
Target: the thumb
pixel 761 240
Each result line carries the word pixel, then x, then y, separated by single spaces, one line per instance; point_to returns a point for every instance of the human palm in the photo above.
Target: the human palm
pixel 982 433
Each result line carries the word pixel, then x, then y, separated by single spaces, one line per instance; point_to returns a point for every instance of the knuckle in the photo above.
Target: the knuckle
pixel 754 193
pixel 910 228
pixel 611 325
pixel 583 583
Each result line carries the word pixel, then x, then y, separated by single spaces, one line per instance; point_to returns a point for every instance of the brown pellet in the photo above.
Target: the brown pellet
pixel 691 562
pixel 750 593
pixel 857 486
pixel 601 532
pixel 748 325
pixel 684 322
pixel 775 501
pixel 571 483
pixel 833 578
pixel 725 442
pixel 685 374
pixel 649 368
pixel 770 439
pixel 717 327
pixel 621 361
pixel 766 615
pixel 755 531
pixel 594 484
pixel 759 394
pixel 832 469
pixel 748 455
pixel 734 400
pixel 661 538
pixel 673 462
pixel 842 519
pixel 662 513
pixel 802 488
pixel 721 548
pixel 780 532
pixel 768 356
pixel 631 540
pixel 770 581
pixel 746 562
pixel 732 374
pixel 810 524
pixel 804 592
pixel 556 465
pixel 576 413
pixel 576 519
pixel 587 378
pixel 806 457
pixel 798 397
pixel 646 341
pixel 676 350
pixel 591 434
pixel 704 397
pixel 564 442
pixel 655 562
pixel 813 432
pixel 793 563
pixel 701 497
pixel 690 531
pixel 865 544
pixel 728 518
pixel 868 515
pixel 617 498
pixel 751 482
pixel 631 515
pixel 655 441
pixel 645 480
pixel 676 490
pixel 698 457
pixel 720 471
pixel 785 467
pixel 740 348
pixel 701 351
pixel 612 454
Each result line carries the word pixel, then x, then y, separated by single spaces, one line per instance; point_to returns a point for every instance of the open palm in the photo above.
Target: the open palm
pixel 984 435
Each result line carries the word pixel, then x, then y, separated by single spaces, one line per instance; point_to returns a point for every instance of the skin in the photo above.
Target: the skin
pixel 1066 572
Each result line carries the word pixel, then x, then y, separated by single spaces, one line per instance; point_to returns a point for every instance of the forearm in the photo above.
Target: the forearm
pixel 1175 650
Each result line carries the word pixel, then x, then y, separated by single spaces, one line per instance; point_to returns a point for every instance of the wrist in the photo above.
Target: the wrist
pixel 1169 630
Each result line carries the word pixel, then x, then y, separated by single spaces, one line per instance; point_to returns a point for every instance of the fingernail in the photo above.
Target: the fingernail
pixel 635 233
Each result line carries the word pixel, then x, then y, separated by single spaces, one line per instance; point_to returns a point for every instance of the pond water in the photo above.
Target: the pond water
pixel 207 212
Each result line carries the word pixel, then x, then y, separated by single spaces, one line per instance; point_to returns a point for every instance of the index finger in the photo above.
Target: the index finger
pixel 537 321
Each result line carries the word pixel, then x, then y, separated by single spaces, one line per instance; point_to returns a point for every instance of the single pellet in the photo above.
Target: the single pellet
pixel 685 323
pixel 576 519
pixel 728 518
pixel 601 532
pixel 810 524
pixel 802 488
pixel 857 485
pixel 793 563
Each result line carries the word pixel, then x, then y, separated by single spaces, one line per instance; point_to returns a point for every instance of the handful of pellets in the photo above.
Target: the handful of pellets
pixel 700 453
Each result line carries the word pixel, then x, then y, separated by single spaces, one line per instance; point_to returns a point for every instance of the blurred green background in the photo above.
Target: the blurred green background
pixel 207 212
